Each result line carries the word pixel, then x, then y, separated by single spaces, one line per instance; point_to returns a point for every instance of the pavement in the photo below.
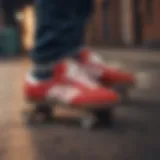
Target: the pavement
pixel 135 135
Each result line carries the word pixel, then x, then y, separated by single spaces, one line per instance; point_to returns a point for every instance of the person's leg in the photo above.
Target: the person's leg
pixel 60 27
pixel 59 31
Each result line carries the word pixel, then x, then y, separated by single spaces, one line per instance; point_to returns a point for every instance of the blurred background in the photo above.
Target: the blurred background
pixel 118 23
pixel 127 34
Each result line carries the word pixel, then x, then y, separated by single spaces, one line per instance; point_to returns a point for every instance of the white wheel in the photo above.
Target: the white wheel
pixel 87 122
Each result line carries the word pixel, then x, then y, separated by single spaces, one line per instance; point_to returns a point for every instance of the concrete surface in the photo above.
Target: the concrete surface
pixel 134 137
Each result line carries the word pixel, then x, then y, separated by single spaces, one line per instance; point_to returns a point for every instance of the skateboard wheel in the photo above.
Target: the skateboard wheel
pixel 40 114
pixel 87 122
pixel 104 117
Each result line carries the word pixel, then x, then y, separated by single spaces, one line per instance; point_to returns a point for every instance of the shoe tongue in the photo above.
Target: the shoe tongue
pixel 76 73
pixel 71 69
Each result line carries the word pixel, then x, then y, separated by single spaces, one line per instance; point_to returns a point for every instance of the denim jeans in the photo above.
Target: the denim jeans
pixel 59 28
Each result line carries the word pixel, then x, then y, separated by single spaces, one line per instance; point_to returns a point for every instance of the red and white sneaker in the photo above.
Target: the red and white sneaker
pixel 105 75
pixel 70 86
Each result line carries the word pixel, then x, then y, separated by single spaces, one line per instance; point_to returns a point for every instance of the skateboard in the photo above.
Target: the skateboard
pixel 91 118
